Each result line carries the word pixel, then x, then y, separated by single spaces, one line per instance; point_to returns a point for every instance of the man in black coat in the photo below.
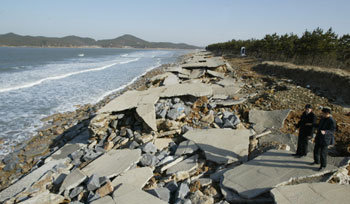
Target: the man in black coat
pixel 306 128
pixel 324 137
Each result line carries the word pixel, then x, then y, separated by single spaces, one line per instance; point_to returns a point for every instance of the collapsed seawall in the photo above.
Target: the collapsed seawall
pixel 333 83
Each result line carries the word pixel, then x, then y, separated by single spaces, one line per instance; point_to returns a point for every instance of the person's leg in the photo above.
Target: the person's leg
pixel 298 152
pixel 303 148
pixel 317 153
pixel 324 153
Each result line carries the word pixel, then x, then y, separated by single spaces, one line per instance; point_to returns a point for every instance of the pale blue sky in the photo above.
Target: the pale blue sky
pixel 190 21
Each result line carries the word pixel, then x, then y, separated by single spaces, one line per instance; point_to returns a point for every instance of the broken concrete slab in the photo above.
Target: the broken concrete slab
pixel 209 63
pixel 128 194
pixel 268 119
pixel 229 81
pixel 45 198
pixel 29 179
pixel 197 73
pixel 270 169
pixel 148 114
pixel 162 193
pixel 186 147
pixel 222 145
pixel 312 193
pixel 113 163
pixel 171 80
pixel 162 143
pixel 196 89
pixel 137 177
pixel 72 180
pixel 104 200
pixel 126 101
pixel 224 92
pixel 229 102
pixel 216 74
pixel 186 165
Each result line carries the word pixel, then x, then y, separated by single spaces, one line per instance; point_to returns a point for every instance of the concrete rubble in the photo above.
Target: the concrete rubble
pixel 311 193
pixel 181 138
pixel 222 146
pixel 268 170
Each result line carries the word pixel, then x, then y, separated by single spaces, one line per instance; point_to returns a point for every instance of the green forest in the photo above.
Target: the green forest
pixel 317 47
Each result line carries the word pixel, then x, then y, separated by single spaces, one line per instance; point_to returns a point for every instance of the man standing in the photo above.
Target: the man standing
pixel 324 137
pixel 306 128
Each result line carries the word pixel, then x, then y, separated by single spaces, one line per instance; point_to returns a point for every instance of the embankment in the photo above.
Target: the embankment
pixel 334 84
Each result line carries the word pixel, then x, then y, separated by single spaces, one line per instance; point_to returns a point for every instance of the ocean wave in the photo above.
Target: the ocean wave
pixel 129 83
pixel 63 76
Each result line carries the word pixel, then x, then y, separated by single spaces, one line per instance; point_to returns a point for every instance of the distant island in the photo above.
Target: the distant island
pixel 124 41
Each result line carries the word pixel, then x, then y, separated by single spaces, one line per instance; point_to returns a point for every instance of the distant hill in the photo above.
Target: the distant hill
pixel 124 41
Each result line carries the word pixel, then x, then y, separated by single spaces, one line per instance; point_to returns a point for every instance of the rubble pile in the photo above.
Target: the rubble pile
pixel 181 139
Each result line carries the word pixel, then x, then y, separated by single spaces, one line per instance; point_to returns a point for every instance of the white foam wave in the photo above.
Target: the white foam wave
pixel 128 84
pixel 63 76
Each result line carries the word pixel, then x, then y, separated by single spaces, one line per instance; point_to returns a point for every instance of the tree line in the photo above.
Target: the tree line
pixel 317 47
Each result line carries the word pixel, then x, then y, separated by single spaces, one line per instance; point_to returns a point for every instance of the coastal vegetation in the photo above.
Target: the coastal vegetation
pixel 124 41
pixel 317 47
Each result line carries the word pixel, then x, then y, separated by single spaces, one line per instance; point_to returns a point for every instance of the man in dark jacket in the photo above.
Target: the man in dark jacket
pixel 306 128
pixel 324 137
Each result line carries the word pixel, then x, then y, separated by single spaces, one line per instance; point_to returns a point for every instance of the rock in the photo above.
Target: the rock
pixel 149 148
pixel 268 170
pixel 76 191
pixel 173 113
pixel 268 119
pixel 108 146
pixel 186 147
pixel 105 189
pixel 104 200
pixel 162 143
pixel 186 128
pixel 72 180
pixel 183 201
pixel 218 121
pixel 113 162
pixel 76 155
pixel 161 113
pixel 134 145
pixel 165 160
pixel 27 180
pixel 186 165
pixel 145 138
pixel 162 193
pixel 216 74
pixel 128 194
pixel 93 182
pixel 173 163
pixel 312 193
pixel 92 197
pixel 199 198
pixel 205 181
pixel 172 186
pixel 222 145
pixel 45 198
pixel 149 160
pixel 182 191
pixel 114 124
pixel 91 155
pixel 208 118
pixel 129 133
pixel 137 177
pixel 9 167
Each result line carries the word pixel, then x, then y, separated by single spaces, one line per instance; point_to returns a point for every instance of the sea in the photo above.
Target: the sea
pixel 38 82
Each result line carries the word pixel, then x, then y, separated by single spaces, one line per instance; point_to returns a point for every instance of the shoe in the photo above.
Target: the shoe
pixel 321 168
pixel 313 163
pixel 295 155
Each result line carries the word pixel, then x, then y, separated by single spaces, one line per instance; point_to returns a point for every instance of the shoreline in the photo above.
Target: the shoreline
pixel 58 129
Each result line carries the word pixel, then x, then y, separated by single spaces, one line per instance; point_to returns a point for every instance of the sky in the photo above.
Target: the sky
pixel 196 22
